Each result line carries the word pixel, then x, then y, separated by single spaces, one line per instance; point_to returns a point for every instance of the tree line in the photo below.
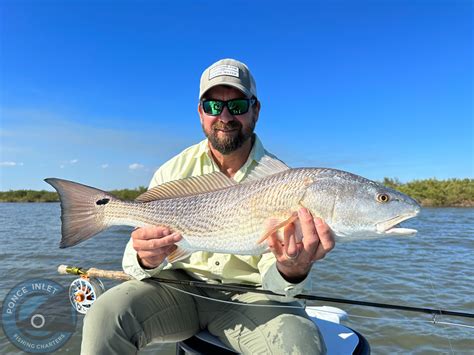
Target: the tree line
pixel 437 193
pixel 52 196
pixel 429 192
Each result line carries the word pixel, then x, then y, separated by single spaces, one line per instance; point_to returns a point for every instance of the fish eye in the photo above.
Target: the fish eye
pixel 383 198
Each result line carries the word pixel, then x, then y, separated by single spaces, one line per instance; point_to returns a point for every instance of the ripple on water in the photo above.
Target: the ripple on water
pixel 432 269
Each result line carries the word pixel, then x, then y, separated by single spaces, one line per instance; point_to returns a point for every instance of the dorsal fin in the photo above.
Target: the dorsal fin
pixel 189 186
pixel 266 166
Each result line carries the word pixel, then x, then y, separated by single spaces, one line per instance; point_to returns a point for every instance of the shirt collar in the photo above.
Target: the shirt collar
pixel 256 153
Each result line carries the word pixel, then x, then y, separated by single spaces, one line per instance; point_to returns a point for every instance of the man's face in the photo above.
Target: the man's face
pixel 227 132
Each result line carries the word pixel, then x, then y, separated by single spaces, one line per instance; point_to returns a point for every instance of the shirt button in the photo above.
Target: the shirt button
pixel 217 263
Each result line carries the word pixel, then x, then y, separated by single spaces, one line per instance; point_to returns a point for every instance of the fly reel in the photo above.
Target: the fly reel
pixel 84 291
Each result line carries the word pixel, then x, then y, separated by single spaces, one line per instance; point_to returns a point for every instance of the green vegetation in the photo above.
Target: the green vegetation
pixel 437 193
pixel 48 196
pixel 127 194
pixel 28 196
pixel 429 192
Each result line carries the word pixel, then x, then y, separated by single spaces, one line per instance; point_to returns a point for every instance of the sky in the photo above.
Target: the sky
pixel 104 92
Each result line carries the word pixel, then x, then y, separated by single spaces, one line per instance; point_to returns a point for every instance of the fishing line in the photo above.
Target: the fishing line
pixel 118 275
pixel 436 298
pixel 233 302
pixel 241 288
pixel 434 321
pixel 436 301
pixel 456 324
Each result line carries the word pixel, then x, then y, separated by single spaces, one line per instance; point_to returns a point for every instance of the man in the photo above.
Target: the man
pixel 128 317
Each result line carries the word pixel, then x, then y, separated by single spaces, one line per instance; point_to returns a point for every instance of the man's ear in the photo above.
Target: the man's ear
pixel 200 112
pixel 257 110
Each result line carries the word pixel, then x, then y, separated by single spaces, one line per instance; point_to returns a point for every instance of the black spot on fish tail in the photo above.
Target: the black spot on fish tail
pixel 104 201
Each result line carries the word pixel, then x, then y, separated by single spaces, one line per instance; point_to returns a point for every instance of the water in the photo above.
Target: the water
pixel 433 269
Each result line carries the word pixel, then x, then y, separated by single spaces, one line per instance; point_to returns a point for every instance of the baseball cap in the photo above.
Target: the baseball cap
pixel 229 72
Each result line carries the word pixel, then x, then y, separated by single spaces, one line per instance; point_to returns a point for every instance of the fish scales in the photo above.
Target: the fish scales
pixel 215 214
pixel 209 221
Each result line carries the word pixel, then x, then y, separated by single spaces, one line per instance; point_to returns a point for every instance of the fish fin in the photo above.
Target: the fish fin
pixel 266 166
pixel 401 231
pixel 189 186
pixel 179 254
pixel 82 211
pixel 276 225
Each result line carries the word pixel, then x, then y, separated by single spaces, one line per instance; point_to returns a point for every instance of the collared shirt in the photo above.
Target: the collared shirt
pixel 215 267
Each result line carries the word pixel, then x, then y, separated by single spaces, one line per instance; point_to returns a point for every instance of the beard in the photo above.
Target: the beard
pixel 231 142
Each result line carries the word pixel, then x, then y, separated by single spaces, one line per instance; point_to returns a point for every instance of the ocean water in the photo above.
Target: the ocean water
pixel 435 269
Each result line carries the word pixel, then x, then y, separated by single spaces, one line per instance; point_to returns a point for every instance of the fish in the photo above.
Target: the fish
pixel 214 213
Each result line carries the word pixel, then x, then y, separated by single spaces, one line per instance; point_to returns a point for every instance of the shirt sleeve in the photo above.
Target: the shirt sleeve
pixel 130 264
pixel 273 281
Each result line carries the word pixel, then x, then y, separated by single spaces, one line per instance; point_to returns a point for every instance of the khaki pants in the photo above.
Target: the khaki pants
pixel 131 315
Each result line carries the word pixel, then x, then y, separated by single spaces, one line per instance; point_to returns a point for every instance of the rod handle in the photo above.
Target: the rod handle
pixel 108 274
pixel 93 272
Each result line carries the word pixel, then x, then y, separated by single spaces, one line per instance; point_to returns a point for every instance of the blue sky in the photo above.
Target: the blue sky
pixel 104 92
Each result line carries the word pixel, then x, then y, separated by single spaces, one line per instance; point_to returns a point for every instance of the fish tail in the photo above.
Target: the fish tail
pixel 82 211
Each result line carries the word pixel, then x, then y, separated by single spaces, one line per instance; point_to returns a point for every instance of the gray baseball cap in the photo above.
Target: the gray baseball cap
pixel 229 72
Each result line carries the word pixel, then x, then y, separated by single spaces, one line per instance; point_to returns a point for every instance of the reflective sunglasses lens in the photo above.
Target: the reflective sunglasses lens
pixel 238 106
pixel 212 107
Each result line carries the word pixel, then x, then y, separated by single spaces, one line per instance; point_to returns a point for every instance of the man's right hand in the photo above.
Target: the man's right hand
pixel 153 245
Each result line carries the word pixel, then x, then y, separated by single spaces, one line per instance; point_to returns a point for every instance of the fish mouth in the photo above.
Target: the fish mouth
pixel 391 226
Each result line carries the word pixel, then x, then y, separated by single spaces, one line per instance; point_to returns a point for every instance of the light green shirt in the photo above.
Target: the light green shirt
pixel 215 267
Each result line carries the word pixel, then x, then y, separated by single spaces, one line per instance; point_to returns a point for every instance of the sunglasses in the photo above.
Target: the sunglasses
pixel 235 106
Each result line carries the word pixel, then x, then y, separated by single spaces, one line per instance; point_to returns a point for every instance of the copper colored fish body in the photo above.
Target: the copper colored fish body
pixel 215 214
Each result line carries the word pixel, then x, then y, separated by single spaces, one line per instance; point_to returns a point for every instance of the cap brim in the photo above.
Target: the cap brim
pixel 238 86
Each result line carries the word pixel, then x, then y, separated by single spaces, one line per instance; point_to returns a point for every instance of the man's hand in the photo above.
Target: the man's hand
pixel 153 245
pixel 294 260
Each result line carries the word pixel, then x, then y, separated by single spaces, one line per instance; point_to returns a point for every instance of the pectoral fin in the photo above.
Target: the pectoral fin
pixel 275 225
pixel 179 254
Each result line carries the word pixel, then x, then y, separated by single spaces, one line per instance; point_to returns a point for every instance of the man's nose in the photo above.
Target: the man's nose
pixel 225 115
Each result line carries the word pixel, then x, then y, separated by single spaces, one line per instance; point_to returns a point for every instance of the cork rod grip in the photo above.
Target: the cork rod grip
pixel 93 272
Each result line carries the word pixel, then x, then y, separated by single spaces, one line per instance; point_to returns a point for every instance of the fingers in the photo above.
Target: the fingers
pixel 294 260
pixel 156 243
pixel 327 241
pixel 151 232
pixel 290 247
pixel 316 238
pixel 310 234
pixel 161 253
pixel 287 249
pixel 275 245
pixel 291 263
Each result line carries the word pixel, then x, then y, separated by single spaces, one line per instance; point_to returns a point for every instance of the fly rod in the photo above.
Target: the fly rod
pixel 119 275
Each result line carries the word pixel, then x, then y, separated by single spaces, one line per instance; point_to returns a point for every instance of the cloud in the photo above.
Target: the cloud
pixel 135 166
pixel 69 162
pixel 10 163
pixel 22 128
pixel 104 166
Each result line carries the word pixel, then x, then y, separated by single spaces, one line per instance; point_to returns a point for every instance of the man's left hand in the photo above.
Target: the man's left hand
pixel 294 260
